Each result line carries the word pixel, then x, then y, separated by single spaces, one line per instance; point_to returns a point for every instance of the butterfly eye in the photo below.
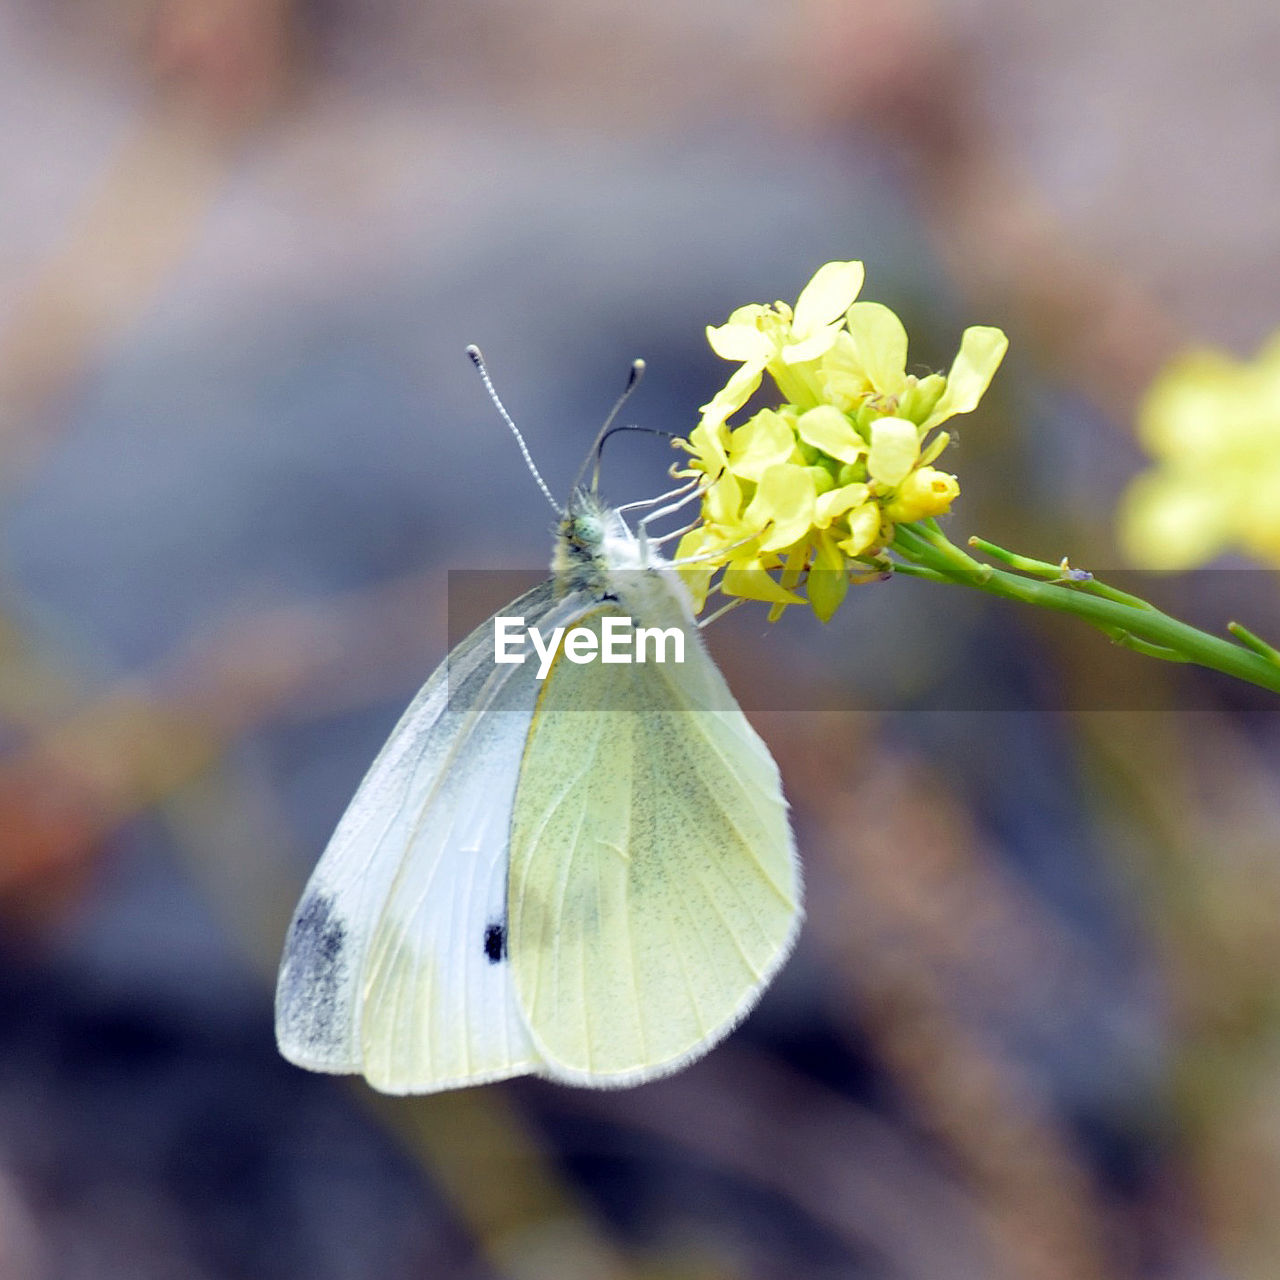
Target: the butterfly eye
pixel 586 529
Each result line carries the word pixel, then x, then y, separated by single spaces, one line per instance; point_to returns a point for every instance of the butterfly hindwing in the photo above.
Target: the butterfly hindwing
pixel 654 887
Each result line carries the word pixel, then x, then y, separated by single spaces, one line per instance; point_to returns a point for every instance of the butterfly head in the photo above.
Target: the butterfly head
pixel 592 536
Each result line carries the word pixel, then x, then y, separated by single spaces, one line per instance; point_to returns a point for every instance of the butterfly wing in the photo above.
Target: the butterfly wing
pixel 396 960
pixel 654 886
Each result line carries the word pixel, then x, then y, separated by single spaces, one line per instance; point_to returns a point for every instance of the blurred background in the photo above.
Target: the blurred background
pixel 1032 1029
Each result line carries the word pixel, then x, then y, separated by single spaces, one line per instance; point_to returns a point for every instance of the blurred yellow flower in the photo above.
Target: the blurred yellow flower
pixel 807 493
pixel 1212 424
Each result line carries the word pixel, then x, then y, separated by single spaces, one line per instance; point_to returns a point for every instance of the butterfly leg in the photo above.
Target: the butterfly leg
pixel 643 528
pixel 674 534
pixel 662 497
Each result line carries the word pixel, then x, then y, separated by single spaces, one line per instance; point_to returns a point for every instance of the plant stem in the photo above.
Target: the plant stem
pixel 1256 643
pixel 925 551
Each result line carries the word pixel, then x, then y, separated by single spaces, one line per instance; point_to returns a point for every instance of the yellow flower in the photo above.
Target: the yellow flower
pixel 765 441
pixel 830 432
pixel 1213 426
pixel 925 492
pixel 777 338
pixel 869 363
pixel 781 509
pixel 807 494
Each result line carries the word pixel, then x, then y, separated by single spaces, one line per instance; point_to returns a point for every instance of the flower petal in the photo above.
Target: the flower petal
pixel 709 441
pixel 895 446
pixel 784 501
pixel 836 502
pixel 981 350
pixel 696 577
pixel 751 580
pixel 733 395
pixel 864 528
pixel 880 343
pixel 828 429
pixel 759 444
pixel 841 375
pixel 740 338
pixel 828 581
pixel 826 297
pixel 811 347
pixel 722 502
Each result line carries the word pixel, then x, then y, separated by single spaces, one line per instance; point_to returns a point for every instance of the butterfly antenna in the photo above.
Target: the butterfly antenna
pixel 631 426
pixel 478 360
pixel 593 455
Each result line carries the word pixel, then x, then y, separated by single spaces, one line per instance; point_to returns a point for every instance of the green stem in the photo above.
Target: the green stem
pixel 919 571
pixel 926 552
pixel 1060 573
pixel 930 547
pixel 1126 640
pixel 1256 643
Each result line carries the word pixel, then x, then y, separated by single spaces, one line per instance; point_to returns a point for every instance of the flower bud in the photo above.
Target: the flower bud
pixel 925 492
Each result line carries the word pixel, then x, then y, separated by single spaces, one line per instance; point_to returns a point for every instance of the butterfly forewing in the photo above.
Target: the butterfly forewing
pixel 396 963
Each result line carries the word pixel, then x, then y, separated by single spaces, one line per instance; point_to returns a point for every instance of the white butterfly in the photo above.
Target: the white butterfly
pixel 590 879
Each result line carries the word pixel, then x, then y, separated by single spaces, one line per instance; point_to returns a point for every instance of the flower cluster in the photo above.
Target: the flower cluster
pixel 1213 426
pixel 805 495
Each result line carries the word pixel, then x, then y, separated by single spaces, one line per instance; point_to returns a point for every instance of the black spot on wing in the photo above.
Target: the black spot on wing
pixel 319 931
pixel 495 942
pixel 314 971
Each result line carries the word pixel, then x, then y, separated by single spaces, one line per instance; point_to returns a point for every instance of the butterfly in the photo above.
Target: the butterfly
pixel 589 877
